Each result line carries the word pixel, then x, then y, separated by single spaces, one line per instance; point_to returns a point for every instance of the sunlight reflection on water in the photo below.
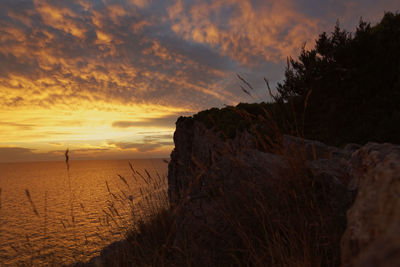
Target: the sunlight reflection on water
pixel 53 234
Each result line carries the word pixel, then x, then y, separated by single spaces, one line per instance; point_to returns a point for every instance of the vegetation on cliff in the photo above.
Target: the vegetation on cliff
pixel 349 82
pixel 346 89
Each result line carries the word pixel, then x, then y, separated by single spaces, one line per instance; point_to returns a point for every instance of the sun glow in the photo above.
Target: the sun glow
pixel 111 77
pixel 90 130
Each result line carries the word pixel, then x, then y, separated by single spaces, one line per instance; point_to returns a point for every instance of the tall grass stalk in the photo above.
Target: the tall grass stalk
pixel 291 224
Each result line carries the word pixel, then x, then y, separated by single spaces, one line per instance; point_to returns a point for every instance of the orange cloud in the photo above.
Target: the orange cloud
pixel 61 18
pixel 140 3
pixel 96 74
pixel 270 30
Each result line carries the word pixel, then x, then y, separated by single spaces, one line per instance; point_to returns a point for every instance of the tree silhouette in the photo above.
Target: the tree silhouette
pixel 354 80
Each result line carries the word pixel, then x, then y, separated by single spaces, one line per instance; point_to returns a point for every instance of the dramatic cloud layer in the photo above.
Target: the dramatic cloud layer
pixel 96 74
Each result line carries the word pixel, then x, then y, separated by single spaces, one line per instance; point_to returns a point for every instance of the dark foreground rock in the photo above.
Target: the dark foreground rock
pixel 372 236
pixel 214 184
pixel 209 174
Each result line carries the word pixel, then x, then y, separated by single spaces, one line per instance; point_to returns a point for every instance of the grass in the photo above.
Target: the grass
pixel 140 196
pixel 298 222
pixel 150 231
pixel 294 223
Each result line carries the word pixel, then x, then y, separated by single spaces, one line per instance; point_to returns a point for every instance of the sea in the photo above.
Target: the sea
pixel 52 213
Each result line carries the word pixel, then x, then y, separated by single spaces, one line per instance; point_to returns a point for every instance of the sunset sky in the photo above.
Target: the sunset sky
pixel 107 79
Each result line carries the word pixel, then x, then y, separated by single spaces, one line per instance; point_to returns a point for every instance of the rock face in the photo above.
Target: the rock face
pixel 207 174
pixel 372 236
pixel 202 171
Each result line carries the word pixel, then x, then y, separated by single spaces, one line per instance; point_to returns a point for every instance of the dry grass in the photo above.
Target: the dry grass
pixel 292 224
pixel 143 198
pixel 295 225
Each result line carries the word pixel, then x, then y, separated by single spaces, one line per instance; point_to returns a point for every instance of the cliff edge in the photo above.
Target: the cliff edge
pixel 229 193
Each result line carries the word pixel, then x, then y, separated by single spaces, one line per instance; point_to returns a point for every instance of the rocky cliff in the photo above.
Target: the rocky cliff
pixel 372 236
pixel 215 183
pixel 297 203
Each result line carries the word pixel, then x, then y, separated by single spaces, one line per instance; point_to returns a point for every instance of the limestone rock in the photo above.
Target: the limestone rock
pixel 372 236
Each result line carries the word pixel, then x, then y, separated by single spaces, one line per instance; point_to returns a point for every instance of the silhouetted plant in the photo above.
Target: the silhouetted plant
pixel 355 83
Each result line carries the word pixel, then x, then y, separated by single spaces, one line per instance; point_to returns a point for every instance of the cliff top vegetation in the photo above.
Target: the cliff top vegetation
pixel 344 90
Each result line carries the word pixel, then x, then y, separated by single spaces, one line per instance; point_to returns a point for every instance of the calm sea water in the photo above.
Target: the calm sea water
pixel 60 231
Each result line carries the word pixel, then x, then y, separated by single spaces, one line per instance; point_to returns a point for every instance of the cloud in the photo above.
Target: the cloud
pixel 158 136
pixel 142 147
pixel 66 53
pixel 85 150
pixel 19 126
pixel 147 144
pixel 250 32
pixel 165 121
pixel 81 70
pixel 57 144
pixel 14 150
pixel 11 154
pixel 171 53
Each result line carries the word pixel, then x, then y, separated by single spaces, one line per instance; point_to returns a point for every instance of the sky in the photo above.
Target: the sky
pixel 108 79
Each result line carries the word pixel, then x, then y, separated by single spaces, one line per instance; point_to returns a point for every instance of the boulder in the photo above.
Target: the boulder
pixel 372 236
